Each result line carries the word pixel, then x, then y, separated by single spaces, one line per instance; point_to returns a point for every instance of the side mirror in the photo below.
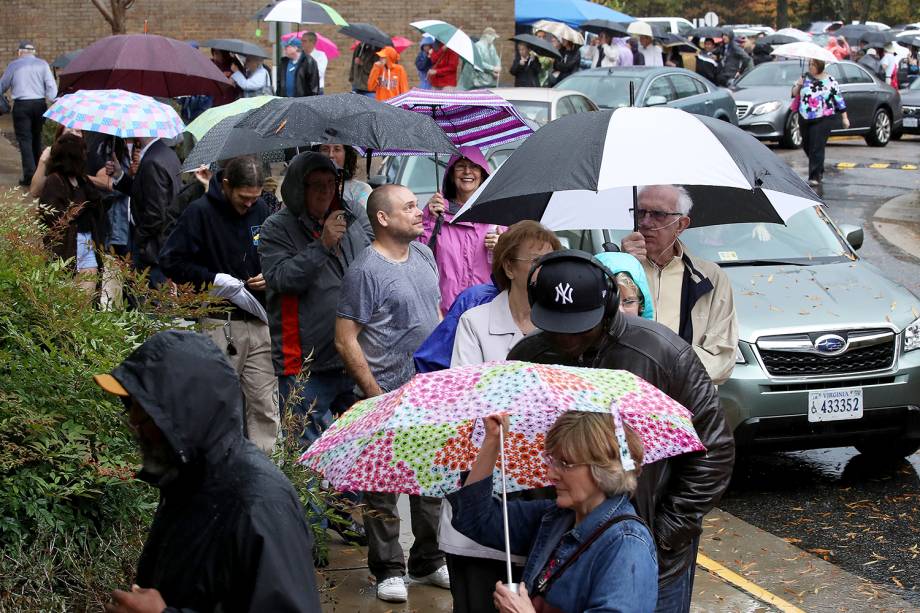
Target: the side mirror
pixel 853 234
pixel 655 101
pixel 377 180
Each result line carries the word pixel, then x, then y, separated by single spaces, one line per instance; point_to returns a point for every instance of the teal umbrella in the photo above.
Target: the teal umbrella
pixel 303 11
pixel 452 37
pixel 210 118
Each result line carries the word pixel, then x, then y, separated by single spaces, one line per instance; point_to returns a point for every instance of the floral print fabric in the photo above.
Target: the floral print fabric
pixel 820 98
pixel 419 438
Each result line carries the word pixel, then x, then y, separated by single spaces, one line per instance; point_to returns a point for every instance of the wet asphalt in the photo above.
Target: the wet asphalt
pixel 853 511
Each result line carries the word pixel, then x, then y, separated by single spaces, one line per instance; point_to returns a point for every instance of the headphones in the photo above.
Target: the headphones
pixel 612 297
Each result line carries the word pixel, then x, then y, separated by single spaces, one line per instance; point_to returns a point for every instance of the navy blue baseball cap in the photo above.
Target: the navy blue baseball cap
pixel 569 294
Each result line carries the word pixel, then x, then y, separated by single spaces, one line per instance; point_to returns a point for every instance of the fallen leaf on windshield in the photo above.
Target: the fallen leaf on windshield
pixel 804 312
pixel 897 583
pixel 775 309
pixel 770 279
pixel 888 318
pixel 893 305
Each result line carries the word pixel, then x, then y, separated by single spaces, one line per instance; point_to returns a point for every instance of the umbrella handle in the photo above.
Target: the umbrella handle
pixel 635 199
pixel 501 439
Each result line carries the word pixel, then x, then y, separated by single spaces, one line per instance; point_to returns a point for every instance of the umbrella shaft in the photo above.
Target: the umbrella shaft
pixel 501 440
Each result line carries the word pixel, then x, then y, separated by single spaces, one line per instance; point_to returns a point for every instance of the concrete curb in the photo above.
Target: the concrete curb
pixel 898 222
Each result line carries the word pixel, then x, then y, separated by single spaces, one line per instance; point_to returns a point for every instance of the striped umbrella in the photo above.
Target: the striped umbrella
pixel 453 37
pixel 730 175
pixel 479 117
pixel 116 112
pixel 207 120
pixel 304 11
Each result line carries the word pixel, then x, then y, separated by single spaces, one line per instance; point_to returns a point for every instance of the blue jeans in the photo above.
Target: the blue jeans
pixel 333 392
pixel 675 596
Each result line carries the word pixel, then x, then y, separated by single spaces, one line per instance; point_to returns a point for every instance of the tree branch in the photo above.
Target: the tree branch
pixel 105 12
pixel 128 4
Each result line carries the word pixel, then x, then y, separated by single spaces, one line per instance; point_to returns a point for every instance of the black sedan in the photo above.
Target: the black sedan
pixel 910 102
pixel 763 99
pixel 653 86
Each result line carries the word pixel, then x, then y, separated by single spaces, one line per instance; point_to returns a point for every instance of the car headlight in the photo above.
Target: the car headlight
pixel 912 336
pixel 739 357
pixel 766 107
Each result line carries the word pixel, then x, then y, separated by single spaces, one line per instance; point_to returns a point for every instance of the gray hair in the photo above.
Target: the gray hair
pixel 684 201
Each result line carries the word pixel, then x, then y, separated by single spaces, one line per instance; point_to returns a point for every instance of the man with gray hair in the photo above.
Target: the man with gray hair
pixel 692 296
pixel 33 85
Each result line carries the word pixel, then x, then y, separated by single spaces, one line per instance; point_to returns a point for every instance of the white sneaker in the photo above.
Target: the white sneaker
pixel 439 578
pixel 392 589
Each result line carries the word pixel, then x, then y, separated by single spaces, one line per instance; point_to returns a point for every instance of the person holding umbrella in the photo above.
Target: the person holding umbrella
pixel 363 59
pixel 298 74
pixel 444 64
pixel 254 79
pixel 707 62
pixel 525 67
pixel 579 546
pixel 818 99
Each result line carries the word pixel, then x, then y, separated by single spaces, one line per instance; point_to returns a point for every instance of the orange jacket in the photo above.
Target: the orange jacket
pixel 388 81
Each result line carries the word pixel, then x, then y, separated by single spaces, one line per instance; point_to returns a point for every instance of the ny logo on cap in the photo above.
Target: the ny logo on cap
pixel 564 294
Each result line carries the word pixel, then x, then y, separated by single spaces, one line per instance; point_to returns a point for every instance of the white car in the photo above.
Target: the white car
pixel 542 105
pixel 674 25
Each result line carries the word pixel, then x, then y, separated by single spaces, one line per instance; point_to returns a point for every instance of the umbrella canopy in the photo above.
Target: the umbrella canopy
pixel 804 51
pixel 235 45
pixel 605 25
pixel 730 175
pixel 401 43
pixel 538 45
pixel 479 117
pixel 116 112
pixel 420 437
pixel 669 39
pixel 146 64
pixel 707 32
pixel 452 37
pixel 368 34
pixel 211 117
pixel 348 119
pixel 795 33
pixel 571 12
pixel 224 141
pixel 875 39
pixel 322 43
pixel 302 11
pixel 559 30
pixel 852 32
pixel 64 59
pixel 778 39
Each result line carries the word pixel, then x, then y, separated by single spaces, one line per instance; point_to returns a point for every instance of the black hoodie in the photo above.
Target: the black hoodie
pixel 229 533
pixel 211 237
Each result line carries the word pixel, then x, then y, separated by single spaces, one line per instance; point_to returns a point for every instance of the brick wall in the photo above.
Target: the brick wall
pixel 59 26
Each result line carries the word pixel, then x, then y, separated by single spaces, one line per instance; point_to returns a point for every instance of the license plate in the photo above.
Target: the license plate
pixel 834 405
pixel 910 122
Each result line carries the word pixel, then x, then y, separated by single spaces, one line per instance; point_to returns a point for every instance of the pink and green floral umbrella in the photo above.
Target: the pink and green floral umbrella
pixel 420 437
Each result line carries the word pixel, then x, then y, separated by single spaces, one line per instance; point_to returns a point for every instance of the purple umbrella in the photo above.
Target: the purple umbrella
pixel 145 64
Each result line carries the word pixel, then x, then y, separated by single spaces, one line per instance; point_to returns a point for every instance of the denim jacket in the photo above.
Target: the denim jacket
pixel 618 572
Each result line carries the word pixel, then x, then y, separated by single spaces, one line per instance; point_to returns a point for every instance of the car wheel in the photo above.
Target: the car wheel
pixel 897 448
pixel 880 133
pixel 897 135
pixel 792 132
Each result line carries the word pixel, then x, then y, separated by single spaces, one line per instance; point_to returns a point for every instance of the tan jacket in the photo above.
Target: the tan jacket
pixel 711 327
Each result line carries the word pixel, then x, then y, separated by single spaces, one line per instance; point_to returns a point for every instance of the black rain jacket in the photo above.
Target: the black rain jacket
pixel 229 533
pixel 673 495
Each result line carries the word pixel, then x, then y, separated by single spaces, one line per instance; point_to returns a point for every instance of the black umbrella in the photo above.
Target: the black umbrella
pixel 604 25
pixel 852 32
pixel 225 141
pixel 875 39
pixel 913 41
pixel 234 45
pixel 707 32
pixel 538 45
pixel 368 34
pixel 62 60
pixel 348 119
pixel 778 39
pixel 731 176
pixel 669 39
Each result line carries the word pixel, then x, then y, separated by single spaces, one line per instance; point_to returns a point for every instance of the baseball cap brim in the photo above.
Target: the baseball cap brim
pixel 111 385
pixel 565 323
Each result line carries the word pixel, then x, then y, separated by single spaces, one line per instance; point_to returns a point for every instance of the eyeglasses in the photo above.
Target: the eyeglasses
pixel 659 216
pixel 530 260
pixel 629 301
pixel 559 465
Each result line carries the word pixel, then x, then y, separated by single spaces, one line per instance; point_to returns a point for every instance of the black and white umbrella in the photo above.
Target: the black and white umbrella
pixel 579 172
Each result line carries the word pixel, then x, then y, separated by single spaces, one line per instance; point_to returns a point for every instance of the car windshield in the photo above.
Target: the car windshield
pixel 419 174
pixel 771 73
pixel 915 86
pixel 533 110
pixel 607 91
pixel 807 238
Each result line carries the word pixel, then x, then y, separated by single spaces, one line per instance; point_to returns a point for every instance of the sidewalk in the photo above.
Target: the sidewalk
pixel 898 221
pixel 10 165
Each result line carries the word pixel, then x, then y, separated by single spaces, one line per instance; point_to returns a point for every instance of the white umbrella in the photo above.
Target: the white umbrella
pixel 804 51
pixel 794 33
pixel 559 30
pixel 453 37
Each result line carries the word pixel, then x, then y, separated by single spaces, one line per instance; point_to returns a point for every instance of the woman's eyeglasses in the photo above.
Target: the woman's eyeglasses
pixel 559 465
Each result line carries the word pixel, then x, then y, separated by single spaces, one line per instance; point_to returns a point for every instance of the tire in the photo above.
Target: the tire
pixel 891 449
pixel 792 134
pixel 880 131
pixel 897 135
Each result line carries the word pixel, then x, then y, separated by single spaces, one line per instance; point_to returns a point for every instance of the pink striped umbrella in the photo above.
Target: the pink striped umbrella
pixel 322 43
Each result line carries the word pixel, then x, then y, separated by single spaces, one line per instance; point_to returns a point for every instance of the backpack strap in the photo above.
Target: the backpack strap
pixel 543 585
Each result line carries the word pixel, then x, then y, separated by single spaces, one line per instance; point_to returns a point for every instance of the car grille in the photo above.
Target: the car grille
pixel 911 111
pixel 742 109
pixel 869 351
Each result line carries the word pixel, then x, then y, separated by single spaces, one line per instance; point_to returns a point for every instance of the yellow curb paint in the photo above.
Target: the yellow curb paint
pixel 879 165
pixel 846 165
pixel 908 167
pixel 742 583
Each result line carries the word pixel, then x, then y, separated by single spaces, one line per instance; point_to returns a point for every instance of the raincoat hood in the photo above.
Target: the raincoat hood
pixel 292 192
pixel 624 262
pixel 190 391
pixel 390 54
pixel 470 153
pixel 427 39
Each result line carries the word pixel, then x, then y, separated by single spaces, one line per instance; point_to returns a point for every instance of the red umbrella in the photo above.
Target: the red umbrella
pixel 401 43
pixel 145 64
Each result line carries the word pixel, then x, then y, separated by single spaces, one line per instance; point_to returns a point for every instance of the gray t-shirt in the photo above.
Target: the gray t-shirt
pixel 397 303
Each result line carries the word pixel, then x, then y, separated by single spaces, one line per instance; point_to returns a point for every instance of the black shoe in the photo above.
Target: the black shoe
pixel 24 183
pixel 351 532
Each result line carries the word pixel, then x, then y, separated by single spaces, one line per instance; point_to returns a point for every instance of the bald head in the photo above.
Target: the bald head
pixel 383 199
pixel 393 212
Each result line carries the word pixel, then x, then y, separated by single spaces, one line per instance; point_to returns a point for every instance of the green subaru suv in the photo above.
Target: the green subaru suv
pixel 829 349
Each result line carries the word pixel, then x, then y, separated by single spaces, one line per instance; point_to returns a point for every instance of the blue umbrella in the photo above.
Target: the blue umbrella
pixel 571 12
